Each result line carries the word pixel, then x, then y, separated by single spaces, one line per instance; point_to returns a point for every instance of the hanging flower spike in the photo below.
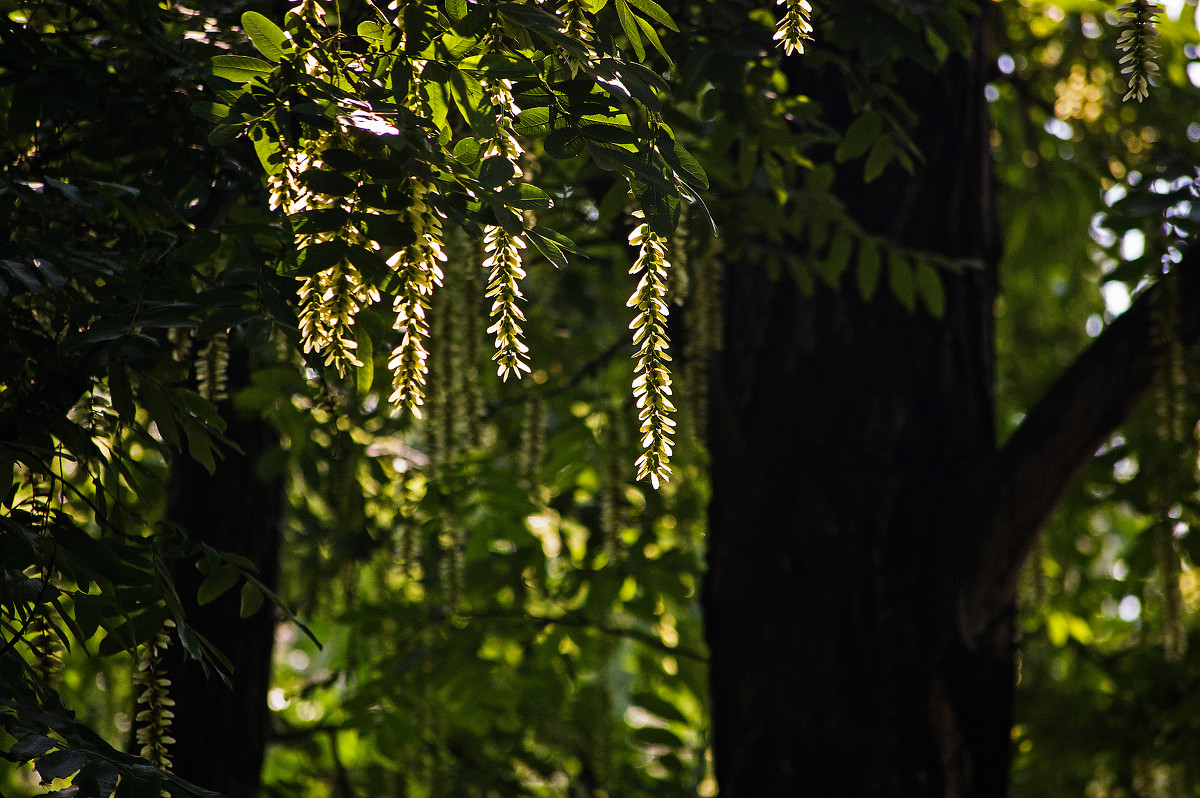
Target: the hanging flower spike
pixel 795 27
pixel 331 298
pixel 574 14
pixel 503 262
pixel 502 250
pixel 505 143
pixel 1137 42
pixel 652 386
pixel 155 718
pixel 212 367
pixel 420 271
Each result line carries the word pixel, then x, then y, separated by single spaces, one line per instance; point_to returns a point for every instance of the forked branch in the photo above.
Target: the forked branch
pixel 1023 484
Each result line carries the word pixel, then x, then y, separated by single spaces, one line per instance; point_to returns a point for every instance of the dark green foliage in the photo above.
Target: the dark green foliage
pixel 485 601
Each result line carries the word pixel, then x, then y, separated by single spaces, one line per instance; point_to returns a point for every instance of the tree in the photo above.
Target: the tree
pixel 866 530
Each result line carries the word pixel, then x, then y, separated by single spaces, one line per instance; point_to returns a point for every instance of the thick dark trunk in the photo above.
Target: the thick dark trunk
pixel 221 732
pixel 840 430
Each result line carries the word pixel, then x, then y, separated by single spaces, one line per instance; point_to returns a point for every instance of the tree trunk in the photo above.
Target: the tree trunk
pixel 865 534
pixel 839 430
pixel 221 731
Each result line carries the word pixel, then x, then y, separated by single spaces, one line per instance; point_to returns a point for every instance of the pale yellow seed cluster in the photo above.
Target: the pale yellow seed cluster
pixel 154 719
pixel 652 386
pixel 795 27
pixel 503 262
pixel 577 25
pixel 1137 42
pixel 212 368
pixel 332 297
pixel 505 142
pixel 502 249
pixel 420 269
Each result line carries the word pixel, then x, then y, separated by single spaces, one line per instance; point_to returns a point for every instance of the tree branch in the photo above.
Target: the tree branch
pixel 1016 492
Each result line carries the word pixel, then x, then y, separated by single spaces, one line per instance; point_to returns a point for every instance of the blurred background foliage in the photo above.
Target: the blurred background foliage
pixel 520 617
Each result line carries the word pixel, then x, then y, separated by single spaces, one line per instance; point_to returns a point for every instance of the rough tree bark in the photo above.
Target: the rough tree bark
pixel 221 732
pixel 865 533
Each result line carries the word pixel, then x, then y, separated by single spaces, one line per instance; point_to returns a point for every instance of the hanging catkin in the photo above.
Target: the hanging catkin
pixel 154 718
pixel 212 366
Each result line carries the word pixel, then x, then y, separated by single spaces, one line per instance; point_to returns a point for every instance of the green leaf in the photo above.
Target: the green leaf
pixel 506 66
pixel 221 135
pixel 466 151
pixel 931 290
pixel 239 68
pixel 137 629
pixel 199 443
pixel 217 583
pixel 321 220
pixel 372 31
pixel 564 143
pixel 532 122
pixel 31 747
pixel 210 111
pixel 120 391
pixel 187 638
pixel 457 9
pixel 525 196
pixel 251 599
pixel 660 205
pixel 552 244
pixel 265 35
pixel 608 134
pixel 365 374
pixel 652 36
pixel 838 258
pixel 900 278
pixel 60 764
pixel 342 160
pixel 324 181
pixel 469 97
pixel 402 76
pixel 391 231
pixel 630 26
pixel 161 413
pixel 267 149
pixel 869 266
pixel 319 257
pixel 691 170
pixel 859 137
pixel 382 170
pixel 877 161
pixel 371 266
pixel 655 12
pixel 495 171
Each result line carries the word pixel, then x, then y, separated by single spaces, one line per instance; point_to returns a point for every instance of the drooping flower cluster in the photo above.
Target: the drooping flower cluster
pixel 1137 42
pixel 504 143
pixel 154 718
pixel 502 249
pixel 212 366
pixel 795 27
pixel 420 268
pixel 331 297
pixel 577 25
pixel 652 385
pixel 503 263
